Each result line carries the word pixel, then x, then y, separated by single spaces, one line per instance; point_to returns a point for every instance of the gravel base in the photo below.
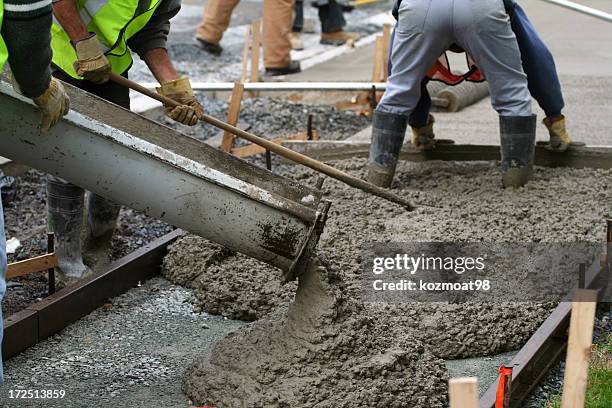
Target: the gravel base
pixel 129 353
pixel 272 118
pixel 25 218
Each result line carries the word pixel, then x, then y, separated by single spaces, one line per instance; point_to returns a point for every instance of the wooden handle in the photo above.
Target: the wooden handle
pixel 276 148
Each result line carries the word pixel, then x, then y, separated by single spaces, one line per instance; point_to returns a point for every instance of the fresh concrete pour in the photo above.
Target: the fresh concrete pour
pixel 459 202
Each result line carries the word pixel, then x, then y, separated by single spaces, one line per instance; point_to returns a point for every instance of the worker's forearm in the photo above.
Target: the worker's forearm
pixel 26 30
pixel 160 65
pixel 67 14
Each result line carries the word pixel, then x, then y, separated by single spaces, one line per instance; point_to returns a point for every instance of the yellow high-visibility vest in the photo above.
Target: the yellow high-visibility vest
pixel 114 22
pixel 3 50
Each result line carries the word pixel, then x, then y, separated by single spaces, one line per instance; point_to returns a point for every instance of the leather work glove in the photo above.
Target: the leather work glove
pixel 91 62
pixel 190 109
pixel 54 104
pixel 559 138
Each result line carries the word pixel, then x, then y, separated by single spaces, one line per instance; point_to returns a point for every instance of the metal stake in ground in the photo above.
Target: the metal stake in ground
pixel 275 148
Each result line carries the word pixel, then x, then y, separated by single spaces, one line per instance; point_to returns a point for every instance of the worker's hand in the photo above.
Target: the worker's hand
pixel 91 62
pixel 190 109
pixel 54 104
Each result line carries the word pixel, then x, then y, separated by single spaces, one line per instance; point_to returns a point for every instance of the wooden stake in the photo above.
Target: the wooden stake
pixel 579 348
pixel 463 392
pixel 378 56
pixel 255 51
pixel 386 44
pixel 232 116
pixel 245 54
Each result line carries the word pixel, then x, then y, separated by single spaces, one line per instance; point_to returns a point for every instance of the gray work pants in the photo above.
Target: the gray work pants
pixel 426 28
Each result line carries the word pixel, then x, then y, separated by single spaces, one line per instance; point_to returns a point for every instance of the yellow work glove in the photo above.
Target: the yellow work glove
pixel 54 104
pixel 91 62
pixel 190 109
pixel 559 138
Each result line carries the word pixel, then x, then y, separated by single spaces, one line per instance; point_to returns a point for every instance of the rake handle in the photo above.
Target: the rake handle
pixel 274 147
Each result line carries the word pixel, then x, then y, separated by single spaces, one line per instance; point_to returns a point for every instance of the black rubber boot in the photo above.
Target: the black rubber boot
pixel 388 131
pixel 102 218
pixel 214 49
pixel 65 219
pixel 293 68
pixel 517 149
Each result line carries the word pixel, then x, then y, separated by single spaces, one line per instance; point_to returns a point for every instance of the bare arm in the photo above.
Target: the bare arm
pixel 159 63
pixel 66 13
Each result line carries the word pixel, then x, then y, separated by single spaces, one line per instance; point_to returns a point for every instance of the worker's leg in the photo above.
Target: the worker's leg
pixel 277 21
pixel 65 219
pixel 542 78
pixel 332 24
pixel 421 121
pixel 298 19
pixel 2 282
pixel 298 25
pixel 421 36
pixel 102 214
pixel 216 19
pixel 483 29
pixel 331 17
pixel 420 115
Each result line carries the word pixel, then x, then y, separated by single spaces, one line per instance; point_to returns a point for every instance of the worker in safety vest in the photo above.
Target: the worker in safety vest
pixel 542 79
pixel 91 38
pixel 277 20
pixel 24 42
pixel 425 30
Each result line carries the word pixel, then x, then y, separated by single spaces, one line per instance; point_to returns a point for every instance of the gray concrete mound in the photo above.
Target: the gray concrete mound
pixel 324 350
pixel 458 202
pixel 226 283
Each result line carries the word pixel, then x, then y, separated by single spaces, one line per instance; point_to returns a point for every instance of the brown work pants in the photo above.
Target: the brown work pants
pixel 277 22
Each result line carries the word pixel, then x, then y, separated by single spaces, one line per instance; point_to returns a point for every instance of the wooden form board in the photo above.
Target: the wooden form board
pixel 232 116
pixel 463 392
pixel 256 29
pixel 579 348
pixel 253 149
pixel 386 44
pixel 245 54
pixel 37 264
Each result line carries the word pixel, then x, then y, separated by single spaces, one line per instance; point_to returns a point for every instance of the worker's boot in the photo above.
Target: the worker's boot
pixel 423 137
pixel 388 131
pixel 102 218
pixel 517 149
pixel 559 138
pixel 338 37
pixel 211 48
pixel 65 219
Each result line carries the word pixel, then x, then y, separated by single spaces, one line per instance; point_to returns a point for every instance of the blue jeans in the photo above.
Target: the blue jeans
pixel 2 281
pixel 538 64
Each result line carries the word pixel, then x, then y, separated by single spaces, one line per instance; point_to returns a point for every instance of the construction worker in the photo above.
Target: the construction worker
pixel 332 24
pixel 24 42
pixel 542 79
pixel 424 31
pixel 277 20
pixel 91 39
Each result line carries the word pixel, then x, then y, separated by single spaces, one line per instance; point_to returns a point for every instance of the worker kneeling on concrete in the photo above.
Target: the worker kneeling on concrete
pixel 425 30
pixel 543 81
pixel 25 42
pixel 91 39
